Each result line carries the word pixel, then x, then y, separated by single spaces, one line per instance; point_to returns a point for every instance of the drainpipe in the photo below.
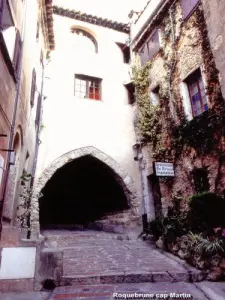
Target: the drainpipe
pixel 38 142
pixel 141 168
pixel 172 67
pixel 16 102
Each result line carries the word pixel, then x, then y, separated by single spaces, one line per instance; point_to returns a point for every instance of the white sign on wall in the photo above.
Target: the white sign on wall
pixel 164 169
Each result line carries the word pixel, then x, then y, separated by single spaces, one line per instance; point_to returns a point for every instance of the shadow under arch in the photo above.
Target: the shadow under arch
pixel 118 173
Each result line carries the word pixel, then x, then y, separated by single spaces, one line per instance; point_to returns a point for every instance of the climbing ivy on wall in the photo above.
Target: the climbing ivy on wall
pixel 149 115
pixel 148 123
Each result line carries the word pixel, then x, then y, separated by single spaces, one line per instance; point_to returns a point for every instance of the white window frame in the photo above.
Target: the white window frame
pixel 184 91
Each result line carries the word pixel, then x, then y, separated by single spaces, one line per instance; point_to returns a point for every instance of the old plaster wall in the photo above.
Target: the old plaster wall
pixel 7 94
pixel 25 127
pixel 73 123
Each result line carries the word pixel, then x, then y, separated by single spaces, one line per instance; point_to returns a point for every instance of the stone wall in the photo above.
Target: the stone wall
pixel 214 15
pixel 178 57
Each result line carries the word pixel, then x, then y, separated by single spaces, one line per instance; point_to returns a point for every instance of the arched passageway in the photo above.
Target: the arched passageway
pixel 83 190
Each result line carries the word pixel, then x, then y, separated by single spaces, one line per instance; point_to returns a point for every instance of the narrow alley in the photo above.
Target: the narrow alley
pixel 112 149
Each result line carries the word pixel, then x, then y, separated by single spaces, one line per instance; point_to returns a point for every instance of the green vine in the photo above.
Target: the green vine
pixel 148 113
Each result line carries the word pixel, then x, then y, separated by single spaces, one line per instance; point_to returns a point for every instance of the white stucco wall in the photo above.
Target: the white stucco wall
pixel 71 123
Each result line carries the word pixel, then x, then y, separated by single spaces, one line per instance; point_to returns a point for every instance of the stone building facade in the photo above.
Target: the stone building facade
pixel 87 117
pixel 213 11
pixel 178 76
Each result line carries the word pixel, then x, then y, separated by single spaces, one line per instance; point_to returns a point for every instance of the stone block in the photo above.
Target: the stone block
pixel 10 237
pixel 138 277
pixel 180 276
pixel 85 280
pixel 18 263
pixel 50 266
pixel 20 285
pixel 112 278
pixel 161 277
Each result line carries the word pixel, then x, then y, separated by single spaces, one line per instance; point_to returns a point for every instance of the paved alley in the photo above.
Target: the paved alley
pixel 105 258
pixel 105 266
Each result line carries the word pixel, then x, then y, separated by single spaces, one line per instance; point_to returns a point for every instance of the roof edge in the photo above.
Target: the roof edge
pixel 88 18
pixel 48 20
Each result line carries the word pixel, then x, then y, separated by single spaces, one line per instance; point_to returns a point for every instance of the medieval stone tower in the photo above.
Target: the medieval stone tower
pixel 86 169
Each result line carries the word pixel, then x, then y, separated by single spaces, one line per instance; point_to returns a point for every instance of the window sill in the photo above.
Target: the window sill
pixel 88 99
pixel 198 119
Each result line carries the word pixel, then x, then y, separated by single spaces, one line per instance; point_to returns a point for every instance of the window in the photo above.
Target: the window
pixel 37 31
pixel 150 48
pixel 131 92
pixel 153 44
pixel 188 6
pixel 38 112
pixel 197 93
pixel 33 88
pixel 84 40
pixel 126 52
pixel 201 182
pixel 87 87
pixel 144 54
pixel 26 163
pixel 11 37
pixel 8 29
pixel 17 50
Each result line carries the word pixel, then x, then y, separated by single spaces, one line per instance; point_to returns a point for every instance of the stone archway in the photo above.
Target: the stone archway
pixel 121 176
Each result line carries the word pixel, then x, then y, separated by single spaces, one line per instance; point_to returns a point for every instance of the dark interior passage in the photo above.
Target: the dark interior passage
pixel 82 191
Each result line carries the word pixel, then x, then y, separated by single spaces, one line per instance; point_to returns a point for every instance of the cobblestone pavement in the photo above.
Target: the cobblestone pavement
pixel 198 291
pixel 110 258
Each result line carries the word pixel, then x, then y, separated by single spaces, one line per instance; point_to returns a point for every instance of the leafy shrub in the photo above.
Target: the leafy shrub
pixel 204 246
pixel 170 227
pixel 207 211
pixel 156 227
pixel 213 247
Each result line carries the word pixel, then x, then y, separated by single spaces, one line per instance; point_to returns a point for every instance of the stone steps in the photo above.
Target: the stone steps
pixel 84 238
pixel 130 277
pixel 106 258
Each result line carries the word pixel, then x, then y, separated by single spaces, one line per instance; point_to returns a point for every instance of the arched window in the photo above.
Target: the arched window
pixel 85 40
